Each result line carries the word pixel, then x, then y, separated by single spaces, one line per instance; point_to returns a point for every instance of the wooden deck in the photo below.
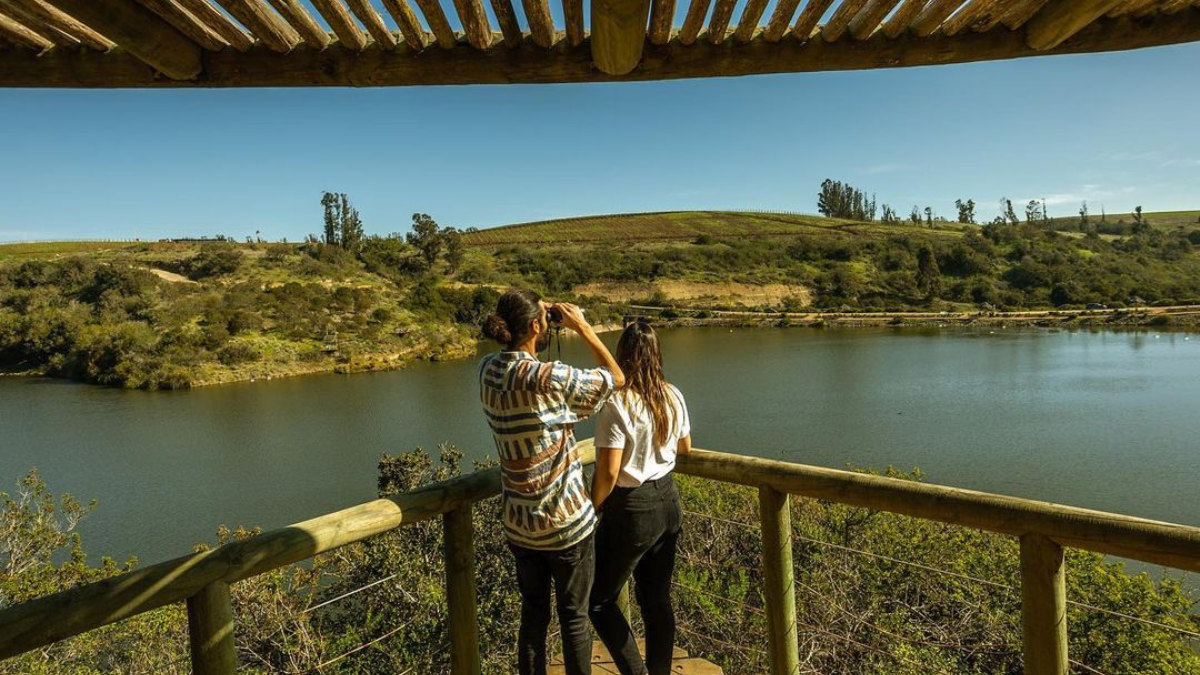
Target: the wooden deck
pixel 602 663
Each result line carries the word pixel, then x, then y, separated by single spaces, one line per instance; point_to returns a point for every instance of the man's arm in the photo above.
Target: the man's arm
pixel 573 319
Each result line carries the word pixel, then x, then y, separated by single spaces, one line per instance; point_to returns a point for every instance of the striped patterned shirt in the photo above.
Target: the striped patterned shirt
pixel 532 408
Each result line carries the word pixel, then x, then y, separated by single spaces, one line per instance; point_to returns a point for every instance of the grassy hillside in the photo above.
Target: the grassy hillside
pixel 678 226
pixel 168 315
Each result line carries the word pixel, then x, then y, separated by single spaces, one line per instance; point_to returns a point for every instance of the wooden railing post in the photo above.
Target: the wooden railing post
pixel 460 590
pixel 210 630
pixel 775 511
pixel 1043 606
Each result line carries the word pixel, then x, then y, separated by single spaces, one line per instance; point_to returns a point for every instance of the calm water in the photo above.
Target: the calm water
pixel 1101 420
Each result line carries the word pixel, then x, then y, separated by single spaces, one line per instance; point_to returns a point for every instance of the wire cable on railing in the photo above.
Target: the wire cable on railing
pixel 719 597
pixel 343 596
pixel 1086 667
pixel 722 642
pixel 357 649
pixel 958 575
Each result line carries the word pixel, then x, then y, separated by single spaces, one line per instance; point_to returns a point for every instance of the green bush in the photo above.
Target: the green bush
pixel 214 260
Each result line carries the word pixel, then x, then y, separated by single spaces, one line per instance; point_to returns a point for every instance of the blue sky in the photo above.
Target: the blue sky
pixel 1116 129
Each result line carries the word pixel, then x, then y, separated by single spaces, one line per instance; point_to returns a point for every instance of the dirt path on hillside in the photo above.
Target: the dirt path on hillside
pixel 700 294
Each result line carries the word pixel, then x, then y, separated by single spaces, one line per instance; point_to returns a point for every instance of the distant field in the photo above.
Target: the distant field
pixel 50 248
pixel 1163 220
pixel 680 225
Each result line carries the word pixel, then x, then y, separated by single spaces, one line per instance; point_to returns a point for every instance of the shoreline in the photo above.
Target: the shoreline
pixel 1176 319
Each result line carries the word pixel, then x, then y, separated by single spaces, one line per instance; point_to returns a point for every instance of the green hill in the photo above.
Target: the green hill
pixel 167 314
pixel 681 225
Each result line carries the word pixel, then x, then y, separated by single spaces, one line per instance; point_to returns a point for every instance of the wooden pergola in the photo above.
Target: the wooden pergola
pixel 260 43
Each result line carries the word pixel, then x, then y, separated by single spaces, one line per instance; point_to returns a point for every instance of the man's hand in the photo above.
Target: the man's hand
pixel 573 317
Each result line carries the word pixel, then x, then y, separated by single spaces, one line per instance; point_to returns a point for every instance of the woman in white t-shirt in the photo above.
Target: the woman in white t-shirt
pixel 638 435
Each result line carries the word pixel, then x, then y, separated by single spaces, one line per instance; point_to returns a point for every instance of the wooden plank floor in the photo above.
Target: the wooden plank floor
pixel 602 663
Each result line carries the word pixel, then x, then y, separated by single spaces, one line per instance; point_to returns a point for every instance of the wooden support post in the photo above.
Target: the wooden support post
pixel 210 630
pixel 1043 606
pixel 618 34
pixel 459 546
pixel 775 511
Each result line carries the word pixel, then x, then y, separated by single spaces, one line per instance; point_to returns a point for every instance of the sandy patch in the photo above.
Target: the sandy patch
pixel 169 276
pixel 699 294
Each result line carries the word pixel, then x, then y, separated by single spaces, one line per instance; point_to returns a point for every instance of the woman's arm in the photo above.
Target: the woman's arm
pixel 608 465
pixel 684 446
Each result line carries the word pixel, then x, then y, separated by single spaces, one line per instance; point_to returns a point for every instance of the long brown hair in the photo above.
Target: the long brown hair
pixel 640 359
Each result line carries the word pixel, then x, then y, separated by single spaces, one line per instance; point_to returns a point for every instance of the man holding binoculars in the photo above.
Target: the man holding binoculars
pixel 532 408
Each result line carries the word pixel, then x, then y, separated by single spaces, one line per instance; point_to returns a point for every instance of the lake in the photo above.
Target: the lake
pixel 1103 420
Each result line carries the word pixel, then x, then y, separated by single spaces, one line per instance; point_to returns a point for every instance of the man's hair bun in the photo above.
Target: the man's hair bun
pixel 495 328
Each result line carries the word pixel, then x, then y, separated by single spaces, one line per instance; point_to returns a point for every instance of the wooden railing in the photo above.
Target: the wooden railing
pixel 203 580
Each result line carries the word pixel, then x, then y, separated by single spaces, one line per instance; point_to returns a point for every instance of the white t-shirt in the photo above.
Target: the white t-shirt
pixel 625 423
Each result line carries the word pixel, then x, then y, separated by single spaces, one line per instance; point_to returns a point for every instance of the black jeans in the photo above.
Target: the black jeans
pixel 571 570
pixel 638 530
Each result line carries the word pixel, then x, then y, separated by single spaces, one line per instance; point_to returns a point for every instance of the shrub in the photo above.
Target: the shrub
pixel 214 260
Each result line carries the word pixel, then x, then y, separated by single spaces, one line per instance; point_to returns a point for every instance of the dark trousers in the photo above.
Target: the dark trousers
pixel 636 537
pixel 571 572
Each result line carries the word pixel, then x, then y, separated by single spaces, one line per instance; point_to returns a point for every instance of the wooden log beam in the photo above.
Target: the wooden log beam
pixel 305 25
pixel 140 32
pixel 809 16
pixel 692 21
pixel 263 23
pixel 781 18
pixel 438 25
pixel 867 20
pixel 31 23
pixel 376 27
pixel 528 63
pixel 342 24
pixel 898 22
pixel 410 26
pixel 1146 540
pixel 748 24
pixel 1131 7
pixel 185 23
pixel 17 33
pixel 573 17
pixel 1021 13
pixel 474 22
pixel 219 23
pixel 662 20
pixel 51 16
pixel 978 16
pixel 779 588
pixel 210 630
pixel 507 18
pixel 55 617
pixel 718 24
pixel 618 34
pixel 541 24
pixel 1043 607
pixel 459 555
pixel 931 17
pixel 840 21
pixel 1061 19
